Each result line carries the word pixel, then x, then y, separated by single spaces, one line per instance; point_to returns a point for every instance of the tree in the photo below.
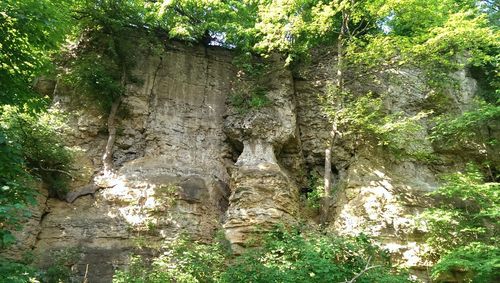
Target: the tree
pixel 102 62
pixel 30 33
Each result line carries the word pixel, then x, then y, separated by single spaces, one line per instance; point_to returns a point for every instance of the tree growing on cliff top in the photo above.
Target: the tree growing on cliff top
pixel 368 35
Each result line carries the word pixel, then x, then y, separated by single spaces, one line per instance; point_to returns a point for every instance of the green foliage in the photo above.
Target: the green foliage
pixel 30 31
pixel 22 271
pixel 463 40
pixel 115 33
pixel 183 261
pixel 465 129
pixel 463 225
pixel 36 138
pixel 475 262
pixel 437 36
pixel 167 194
pixel 293 256
pixel 365 118
pixel 254 99
pixel 15 192
pixel 16 272
pixel 286 256
pixel 30 150
pixel 315 183
pixel 97 78
pixel 60 267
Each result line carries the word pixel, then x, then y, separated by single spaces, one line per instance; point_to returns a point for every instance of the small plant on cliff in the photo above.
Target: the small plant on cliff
pixel 255 99
pixel 316 190
pixel 60 265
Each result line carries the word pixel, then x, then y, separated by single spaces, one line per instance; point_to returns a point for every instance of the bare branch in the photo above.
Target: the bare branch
pixel 55 170
pixel 366 269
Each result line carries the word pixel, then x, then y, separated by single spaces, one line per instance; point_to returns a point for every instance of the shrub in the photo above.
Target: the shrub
pixel 296 256
pixel 29 151
pixel 16 272
pixel 183 261
pixel 285 256
pixel 463 225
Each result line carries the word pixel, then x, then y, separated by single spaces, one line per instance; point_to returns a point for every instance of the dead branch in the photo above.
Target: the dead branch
pixel 55 170
pixel 366 269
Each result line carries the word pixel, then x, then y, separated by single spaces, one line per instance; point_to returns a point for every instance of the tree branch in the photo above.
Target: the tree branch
pixel 366 269
pixel 55 170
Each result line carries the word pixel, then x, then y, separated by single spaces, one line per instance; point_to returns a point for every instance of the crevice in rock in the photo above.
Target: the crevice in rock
pixel 46 212
pixel 236 148
pixel 205 87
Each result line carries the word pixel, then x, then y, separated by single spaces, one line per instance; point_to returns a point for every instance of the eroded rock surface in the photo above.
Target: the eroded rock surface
pixel 188 161
pixel 263 193
pixel 169 154
pixel 376 193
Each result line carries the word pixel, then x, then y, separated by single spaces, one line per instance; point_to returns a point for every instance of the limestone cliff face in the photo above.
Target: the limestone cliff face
pixel 263 193
pixel 187 161
pixel 169 155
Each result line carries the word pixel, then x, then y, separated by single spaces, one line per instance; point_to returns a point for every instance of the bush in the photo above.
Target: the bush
pixel 462 227
pixel 295 256
pixel 285 256
pixel 475 262
pixel 22 271
pixel 60 268
pixel 16 272
pixel 183 261
pixel 35 138
pixel 29 151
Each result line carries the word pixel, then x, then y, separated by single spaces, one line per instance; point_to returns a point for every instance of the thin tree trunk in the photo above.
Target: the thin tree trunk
pixel 327 199
pixel 107 158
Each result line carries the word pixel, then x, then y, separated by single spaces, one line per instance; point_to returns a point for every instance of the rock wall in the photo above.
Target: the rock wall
pixel 188 161
pixel 375 192
pixel 263 192
pixel 170 156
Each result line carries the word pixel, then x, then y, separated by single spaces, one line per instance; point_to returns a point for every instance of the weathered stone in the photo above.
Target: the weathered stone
pixel 187 161
pixel 170 155
pixel 26 239
pixel 263 196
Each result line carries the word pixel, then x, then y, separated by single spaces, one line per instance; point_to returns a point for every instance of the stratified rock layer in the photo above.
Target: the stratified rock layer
pixel 170 173
pixel 189 161
pixel 263 193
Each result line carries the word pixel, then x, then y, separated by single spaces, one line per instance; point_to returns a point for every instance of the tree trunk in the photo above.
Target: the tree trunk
pixel 107 158
pixel 327 199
